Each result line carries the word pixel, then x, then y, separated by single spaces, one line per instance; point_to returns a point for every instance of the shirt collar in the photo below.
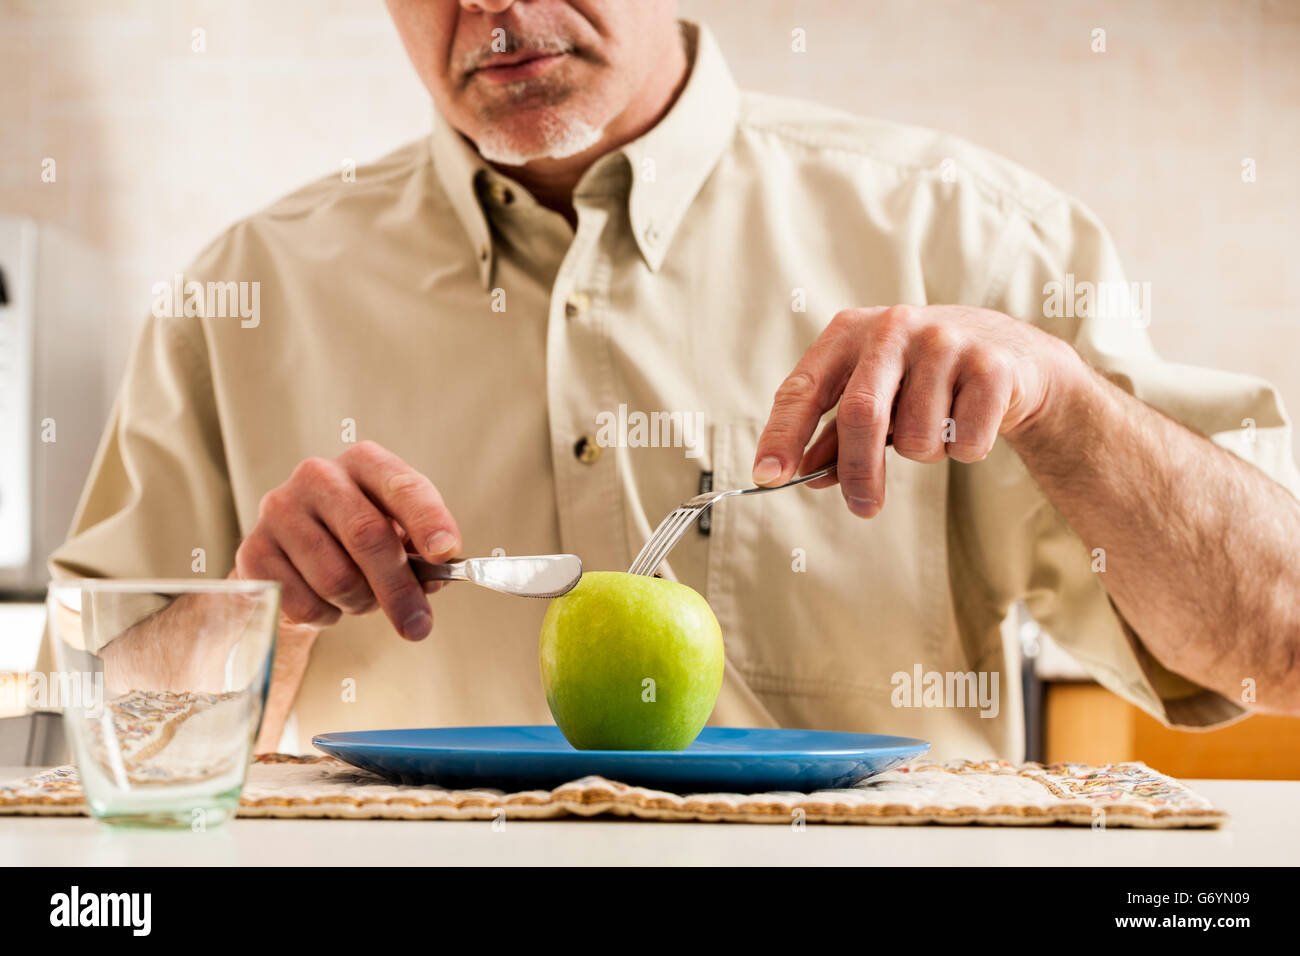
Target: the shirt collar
pixel 671 162
pixel 668 165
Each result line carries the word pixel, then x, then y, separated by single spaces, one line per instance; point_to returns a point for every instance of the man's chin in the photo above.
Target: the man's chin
pixel 548 137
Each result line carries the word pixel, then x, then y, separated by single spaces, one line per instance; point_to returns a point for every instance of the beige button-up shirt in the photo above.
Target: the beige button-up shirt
pixel 433 306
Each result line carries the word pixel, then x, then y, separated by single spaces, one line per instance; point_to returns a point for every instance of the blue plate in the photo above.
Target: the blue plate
pixel 528 758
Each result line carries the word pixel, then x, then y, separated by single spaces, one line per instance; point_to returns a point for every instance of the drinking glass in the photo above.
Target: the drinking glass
pixel 162 685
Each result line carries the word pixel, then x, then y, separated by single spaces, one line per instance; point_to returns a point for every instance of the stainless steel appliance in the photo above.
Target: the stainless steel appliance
pixel 53 331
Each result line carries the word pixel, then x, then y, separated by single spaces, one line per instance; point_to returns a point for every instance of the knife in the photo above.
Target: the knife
pixel 537 575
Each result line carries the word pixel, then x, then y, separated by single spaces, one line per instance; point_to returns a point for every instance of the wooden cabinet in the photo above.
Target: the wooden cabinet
pixel 1085 723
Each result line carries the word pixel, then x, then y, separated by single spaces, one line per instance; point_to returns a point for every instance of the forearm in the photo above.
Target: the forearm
pixel 177 648
pixel 1198 545
pixel 292 654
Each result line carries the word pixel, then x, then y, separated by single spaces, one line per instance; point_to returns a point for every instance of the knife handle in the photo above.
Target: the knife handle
pixel 429 571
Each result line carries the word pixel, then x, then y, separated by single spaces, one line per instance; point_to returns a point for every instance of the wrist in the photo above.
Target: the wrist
pixel 1070 388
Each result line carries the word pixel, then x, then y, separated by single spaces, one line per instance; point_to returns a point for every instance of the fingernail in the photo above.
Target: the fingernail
pixel 417 626
pixel 767 470
pixel 863 507
pixel 443 542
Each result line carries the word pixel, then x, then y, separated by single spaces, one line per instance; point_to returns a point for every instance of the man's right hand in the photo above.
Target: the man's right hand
pixel 335 537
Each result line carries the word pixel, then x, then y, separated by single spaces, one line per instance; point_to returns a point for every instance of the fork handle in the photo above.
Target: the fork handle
pixel 820 473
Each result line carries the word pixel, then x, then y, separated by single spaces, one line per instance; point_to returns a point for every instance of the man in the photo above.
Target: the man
pixel 601 227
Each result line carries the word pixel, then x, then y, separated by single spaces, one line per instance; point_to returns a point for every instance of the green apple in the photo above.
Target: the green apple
pixel 630 662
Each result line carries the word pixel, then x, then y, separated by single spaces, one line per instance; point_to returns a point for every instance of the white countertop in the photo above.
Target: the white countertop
pixel 1264 830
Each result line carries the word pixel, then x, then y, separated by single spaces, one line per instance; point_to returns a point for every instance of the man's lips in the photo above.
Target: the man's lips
pixel 509 68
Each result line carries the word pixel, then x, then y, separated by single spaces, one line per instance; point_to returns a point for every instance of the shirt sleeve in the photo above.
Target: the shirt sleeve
pixel 157 502
pixel 1064 275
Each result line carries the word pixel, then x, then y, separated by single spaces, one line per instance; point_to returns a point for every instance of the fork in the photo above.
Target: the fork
pixel 681 518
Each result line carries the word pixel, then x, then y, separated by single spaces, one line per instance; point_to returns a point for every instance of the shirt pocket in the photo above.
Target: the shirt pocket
pixel 815 602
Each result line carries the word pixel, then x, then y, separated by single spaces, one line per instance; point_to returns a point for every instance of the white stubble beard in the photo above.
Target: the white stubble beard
pixel 553 138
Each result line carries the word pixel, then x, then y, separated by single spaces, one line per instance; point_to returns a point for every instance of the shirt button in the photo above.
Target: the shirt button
pixel 652 234
pixel 501 194
pixel 586 450
pixel 483 253
pixel 576 304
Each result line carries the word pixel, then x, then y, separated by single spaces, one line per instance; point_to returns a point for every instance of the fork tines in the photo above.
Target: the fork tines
pixel 665 536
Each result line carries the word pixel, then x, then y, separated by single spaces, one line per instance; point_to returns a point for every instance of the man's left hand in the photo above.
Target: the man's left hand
pixel 939 381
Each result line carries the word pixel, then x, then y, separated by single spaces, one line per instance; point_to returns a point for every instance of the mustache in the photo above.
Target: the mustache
pixel 541 44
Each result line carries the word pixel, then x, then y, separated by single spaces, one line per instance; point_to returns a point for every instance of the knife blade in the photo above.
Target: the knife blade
pixel 535 575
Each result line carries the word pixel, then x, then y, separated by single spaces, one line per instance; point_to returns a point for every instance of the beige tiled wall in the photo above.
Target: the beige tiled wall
pixel 159 147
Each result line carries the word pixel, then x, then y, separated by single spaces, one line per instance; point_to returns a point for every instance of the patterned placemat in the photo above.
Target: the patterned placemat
pixel 989 792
